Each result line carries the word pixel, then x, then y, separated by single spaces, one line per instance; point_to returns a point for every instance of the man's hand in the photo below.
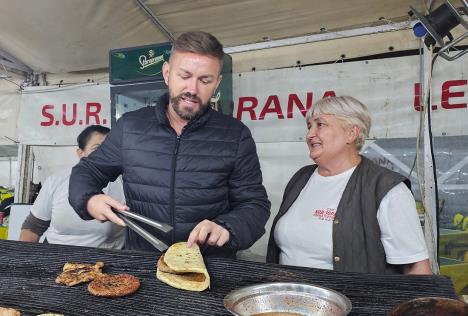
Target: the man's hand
pixel 100 207
pixel 216 234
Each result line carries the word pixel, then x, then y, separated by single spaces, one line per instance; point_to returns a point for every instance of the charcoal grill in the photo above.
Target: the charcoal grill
pixel 28 271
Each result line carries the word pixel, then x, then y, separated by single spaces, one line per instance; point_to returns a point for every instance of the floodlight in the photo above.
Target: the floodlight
pixel 436 26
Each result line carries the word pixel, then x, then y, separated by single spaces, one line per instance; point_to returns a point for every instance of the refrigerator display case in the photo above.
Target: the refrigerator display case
pixel 136 79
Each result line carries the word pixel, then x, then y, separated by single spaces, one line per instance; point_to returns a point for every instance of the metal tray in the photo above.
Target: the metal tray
pixel 297 299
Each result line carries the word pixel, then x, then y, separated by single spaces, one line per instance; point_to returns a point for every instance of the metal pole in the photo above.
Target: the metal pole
pixel 155 20
pixel 25 171
pixel 319 37
pixel 10 180
pixel 429 189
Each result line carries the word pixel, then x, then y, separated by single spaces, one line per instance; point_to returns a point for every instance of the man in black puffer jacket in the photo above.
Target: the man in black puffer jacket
pixel 182 163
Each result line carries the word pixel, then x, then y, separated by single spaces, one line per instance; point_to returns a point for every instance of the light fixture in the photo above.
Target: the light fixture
pixel 437 25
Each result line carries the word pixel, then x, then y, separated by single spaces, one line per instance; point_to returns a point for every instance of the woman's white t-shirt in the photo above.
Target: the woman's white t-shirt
pixel 66 227
pixel 304 233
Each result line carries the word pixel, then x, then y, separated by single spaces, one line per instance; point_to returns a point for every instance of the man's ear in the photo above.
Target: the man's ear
pixel 220 77
pixel 165 70
pixel 80 153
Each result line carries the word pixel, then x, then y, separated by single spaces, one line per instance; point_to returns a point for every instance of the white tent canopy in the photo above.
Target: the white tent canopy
pixel 62 36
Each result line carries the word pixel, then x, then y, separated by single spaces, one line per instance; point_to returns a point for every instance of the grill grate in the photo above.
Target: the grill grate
pixel 28 271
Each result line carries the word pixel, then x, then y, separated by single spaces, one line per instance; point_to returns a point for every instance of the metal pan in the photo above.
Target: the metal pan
pixel 283 298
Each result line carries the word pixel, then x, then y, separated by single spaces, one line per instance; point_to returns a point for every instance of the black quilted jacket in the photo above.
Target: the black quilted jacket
pixel 211 171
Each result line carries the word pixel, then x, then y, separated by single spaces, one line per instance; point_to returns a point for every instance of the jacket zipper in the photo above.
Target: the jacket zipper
pixel 174 162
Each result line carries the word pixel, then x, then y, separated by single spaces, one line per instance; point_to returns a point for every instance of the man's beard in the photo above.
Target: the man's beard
pixel 187 114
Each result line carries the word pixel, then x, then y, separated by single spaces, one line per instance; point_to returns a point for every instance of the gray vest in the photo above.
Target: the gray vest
pixel 356 232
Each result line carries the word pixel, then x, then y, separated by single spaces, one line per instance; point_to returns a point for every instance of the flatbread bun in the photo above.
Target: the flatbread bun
pixel 183 268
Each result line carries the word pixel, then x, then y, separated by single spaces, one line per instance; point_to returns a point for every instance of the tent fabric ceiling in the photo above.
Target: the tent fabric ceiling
pixel 249 21
pixel 61 36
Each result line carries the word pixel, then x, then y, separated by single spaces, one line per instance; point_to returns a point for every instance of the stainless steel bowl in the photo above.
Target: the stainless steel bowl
pixel 283 297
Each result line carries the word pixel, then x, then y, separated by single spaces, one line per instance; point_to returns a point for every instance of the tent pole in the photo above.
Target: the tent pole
pixel 429 193
pixel 155 20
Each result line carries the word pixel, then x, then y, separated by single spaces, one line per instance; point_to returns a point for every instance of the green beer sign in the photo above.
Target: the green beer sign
pixel 144 63
pixel 135 64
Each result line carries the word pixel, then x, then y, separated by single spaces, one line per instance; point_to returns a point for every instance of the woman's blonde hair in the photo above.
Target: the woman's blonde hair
pixel 349 110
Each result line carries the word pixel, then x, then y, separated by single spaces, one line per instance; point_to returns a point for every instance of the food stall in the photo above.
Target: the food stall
pixel 27 283
pixel 284 57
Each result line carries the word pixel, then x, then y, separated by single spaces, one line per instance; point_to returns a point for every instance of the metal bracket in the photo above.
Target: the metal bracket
pixel 445 48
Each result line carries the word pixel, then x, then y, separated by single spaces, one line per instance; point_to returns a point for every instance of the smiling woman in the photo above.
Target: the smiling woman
pixel 337 131
pixel 348 213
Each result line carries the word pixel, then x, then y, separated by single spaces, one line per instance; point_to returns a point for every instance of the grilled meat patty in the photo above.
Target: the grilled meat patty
pixel 114 285
pixel 76 273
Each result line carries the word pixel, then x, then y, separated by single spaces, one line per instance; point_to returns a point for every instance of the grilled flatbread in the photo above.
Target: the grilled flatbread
pixel 5 311
pixel 76 273
pixel 183 268
pixel 114 285
pixel 163 267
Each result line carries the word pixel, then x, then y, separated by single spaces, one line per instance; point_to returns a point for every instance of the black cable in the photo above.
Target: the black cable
pixel 420 127
pixel 431 146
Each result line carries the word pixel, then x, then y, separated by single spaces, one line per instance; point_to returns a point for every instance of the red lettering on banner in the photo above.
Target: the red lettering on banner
pixel 64 115
pixel 47 115
pixel 95 113
pixel 92 111
pixel 272 100
pixel 417 97
pixel 330 93
pixel 294 100
pixel 273 105
pixel 446 94
pixel 244 108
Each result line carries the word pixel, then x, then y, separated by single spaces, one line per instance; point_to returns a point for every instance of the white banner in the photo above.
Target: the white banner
pixel 9 110
pixel 273 103
pixel 55 116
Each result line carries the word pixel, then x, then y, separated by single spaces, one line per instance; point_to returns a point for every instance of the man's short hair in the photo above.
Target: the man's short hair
pixel 199 43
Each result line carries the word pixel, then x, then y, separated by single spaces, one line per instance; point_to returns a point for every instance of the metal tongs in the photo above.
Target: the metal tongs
pixel 158 244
